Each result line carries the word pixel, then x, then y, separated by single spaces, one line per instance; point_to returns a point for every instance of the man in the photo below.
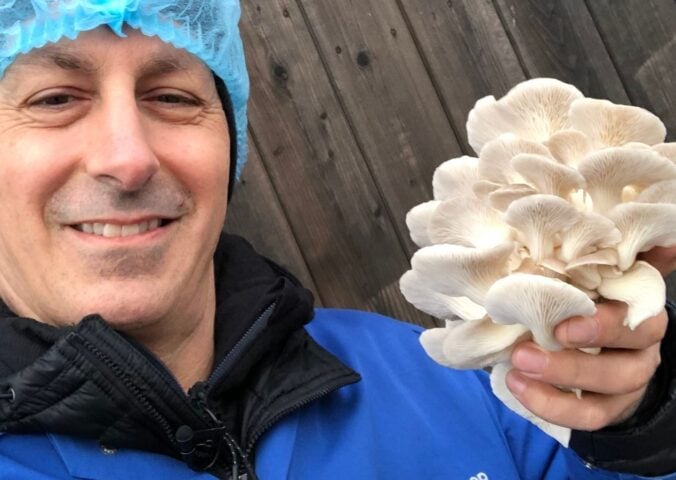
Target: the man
pixel 137 342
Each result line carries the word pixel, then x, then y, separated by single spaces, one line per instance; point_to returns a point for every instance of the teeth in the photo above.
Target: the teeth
pixel 110 230
pixel 130 230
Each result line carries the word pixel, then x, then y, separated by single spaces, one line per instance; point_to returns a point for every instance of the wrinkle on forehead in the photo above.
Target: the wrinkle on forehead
pixel 78 56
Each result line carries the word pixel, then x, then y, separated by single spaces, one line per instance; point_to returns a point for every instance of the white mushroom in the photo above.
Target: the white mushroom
pixel 584 271
pixel 538 219
pixel 609 171
pixel 667 150
pixel 459 271
pixel 499 387
pixel 660 192
pixel 643 226
pixel 546 175
pixel 641 287
pixel 455 177
pixel 469 222
pixel 417 220
pixel 533 110
pixel 610 125
pixel 472 345
pixel 496 156
pixel 503 197
pixel 414 289
pixel 569 147
pixel 540 303
pixel 590 232
pixel 483 188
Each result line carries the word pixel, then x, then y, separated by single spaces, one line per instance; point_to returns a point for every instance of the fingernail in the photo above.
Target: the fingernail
pixel 529 360
pixel 582 330
pixel 515 383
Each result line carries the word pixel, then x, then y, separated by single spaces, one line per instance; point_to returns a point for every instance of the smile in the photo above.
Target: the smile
pixel 113 230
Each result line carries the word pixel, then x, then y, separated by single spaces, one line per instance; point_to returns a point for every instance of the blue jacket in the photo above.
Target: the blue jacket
pixel 408 418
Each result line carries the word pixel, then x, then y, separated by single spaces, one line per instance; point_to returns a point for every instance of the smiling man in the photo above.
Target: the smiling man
pixel 137 341
pixel 118 180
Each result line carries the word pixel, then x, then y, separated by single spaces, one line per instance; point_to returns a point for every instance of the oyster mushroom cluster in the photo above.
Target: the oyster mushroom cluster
pixel 549 218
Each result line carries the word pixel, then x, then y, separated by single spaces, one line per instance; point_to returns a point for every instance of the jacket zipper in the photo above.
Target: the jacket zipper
pixel 233 355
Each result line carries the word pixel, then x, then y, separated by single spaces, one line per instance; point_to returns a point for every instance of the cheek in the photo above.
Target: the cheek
pixel 200 161
pixel 33 167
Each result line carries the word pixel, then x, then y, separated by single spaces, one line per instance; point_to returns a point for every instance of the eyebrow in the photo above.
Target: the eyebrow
pixel 54 55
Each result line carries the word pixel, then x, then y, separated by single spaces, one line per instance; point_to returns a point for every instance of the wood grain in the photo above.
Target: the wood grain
pixel 354 103
pixel 334 207
pixel 256 214
pixel 467 52
pixel 641 38
pixel 389 100
pixel 558 39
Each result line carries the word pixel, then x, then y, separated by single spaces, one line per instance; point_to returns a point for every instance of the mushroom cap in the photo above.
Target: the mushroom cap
pixel 472 345
pixel 584 271
pixel 590 232
pixel 483 188
pixel 455 177
pixel 459 271
pixel 643 226
pixel 641 287
pixel 496 157
pixel 546 175
pixel 569 147
pixel 607 173
pixel 533 110
pixel 667 150
pixel 500 390
pixel 416 291
pixel 538 219
pixel 417 220
pixel 660 192
pixel 470 222
pixel 503 197
pixel 611 125
pixel 540 303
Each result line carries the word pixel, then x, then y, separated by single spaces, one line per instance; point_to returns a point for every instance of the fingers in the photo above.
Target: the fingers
pixel 614 372
pixel 591 412
pixel 606 329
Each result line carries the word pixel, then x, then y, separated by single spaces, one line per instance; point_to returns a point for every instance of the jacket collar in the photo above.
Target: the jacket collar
pixel 90 381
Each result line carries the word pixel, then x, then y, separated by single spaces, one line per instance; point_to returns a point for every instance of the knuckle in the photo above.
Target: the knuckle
pixel 642 372
pixel 595 417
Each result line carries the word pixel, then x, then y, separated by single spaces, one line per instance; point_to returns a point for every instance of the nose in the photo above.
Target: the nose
pixel 120 151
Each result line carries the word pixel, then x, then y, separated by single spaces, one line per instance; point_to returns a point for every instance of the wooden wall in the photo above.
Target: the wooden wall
pixel 355 102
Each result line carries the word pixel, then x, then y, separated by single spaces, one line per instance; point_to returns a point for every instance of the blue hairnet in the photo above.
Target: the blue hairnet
pixel 206 28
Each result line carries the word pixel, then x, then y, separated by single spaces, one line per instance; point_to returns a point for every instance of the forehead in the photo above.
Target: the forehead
pixel 96 51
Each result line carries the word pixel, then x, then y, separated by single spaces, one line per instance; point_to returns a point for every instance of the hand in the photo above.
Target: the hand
pixel 613 382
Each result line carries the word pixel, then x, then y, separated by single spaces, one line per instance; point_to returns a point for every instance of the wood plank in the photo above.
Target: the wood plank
pixel 558 39
pixel 334 207
pixel 255 214
pixel 467 52
pixel 641 38
pixel 391 104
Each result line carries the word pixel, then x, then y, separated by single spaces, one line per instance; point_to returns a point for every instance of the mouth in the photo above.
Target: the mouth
pixel 116 230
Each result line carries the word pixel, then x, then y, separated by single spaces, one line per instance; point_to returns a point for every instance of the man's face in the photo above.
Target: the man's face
pixel 114 171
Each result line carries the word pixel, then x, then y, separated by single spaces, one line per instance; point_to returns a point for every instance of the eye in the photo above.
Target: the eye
pixel 176 99
pixel 55 100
